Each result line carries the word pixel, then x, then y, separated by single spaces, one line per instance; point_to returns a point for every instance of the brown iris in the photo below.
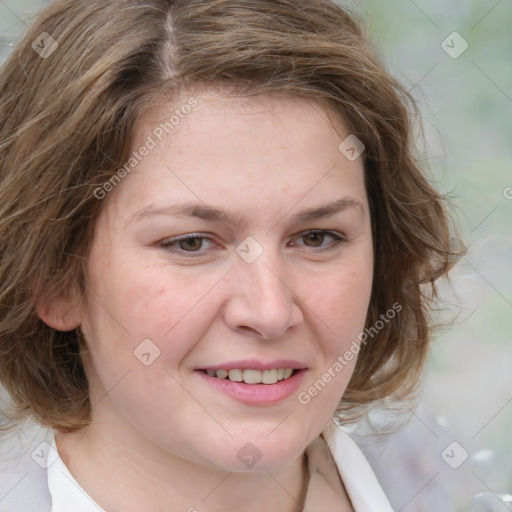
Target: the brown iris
pixel 191 244
pixel 316 239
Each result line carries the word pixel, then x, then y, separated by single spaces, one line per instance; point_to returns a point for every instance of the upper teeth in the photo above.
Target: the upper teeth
pixel 252 376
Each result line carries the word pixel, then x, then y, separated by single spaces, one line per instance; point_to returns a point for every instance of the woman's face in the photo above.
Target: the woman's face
pixel 239 241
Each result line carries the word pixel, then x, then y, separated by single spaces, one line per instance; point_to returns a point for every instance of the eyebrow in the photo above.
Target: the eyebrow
pixel 210 214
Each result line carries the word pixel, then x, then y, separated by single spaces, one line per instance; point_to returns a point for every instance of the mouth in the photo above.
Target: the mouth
pixel 252 376
pixel 255 382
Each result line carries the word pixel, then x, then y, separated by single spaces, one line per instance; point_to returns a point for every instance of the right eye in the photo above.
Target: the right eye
pixel 189 243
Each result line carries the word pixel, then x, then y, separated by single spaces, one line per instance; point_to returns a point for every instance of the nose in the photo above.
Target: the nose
pixel 261 301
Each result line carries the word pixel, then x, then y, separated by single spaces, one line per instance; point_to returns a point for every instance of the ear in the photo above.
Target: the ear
pixel 61 313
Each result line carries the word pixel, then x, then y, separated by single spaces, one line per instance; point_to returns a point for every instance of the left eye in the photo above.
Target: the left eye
pixel 318 237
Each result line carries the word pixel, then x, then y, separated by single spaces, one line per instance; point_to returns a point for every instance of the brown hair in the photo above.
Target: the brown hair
pixel 65 124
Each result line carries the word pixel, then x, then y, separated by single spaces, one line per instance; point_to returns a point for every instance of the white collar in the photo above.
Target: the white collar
pixel 360 482
pixel 66 492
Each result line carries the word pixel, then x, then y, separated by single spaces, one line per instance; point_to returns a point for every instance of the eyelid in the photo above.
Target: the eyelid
pixel 185 236
pixel 330 232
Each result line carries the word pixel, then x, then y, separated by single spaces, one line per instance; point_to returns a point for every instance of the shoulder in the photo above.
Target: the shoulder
pixel 356 473
pixel 23 462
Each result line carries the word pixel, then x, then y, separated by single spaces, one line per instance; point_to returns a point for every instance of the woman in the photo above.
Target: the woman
pixel 218 248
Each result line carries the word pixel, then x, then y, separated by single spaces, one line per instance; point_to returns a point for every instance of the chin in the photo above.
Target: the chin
pixel 260 453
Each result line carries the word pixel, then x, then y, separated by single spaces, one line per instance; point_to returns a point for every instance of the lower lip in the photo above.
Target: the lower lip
pixel 257 394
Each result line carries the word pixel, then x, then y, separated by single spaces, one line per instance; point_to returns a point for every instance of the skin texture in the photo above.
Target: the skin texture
pixel 166 439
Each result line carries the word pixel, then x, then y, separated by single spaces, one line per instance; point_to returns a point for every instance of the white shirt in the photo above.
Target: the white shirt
pixel 67 494
pixel 340 452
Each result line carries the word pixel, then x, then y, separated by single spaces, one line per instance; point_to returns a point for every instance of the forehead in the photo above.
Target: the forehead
pixel 260 151
pixel 200 110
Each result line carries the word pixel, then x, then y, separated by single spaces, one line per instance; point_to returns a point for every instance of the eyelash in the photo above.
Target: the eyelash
pixel 170 244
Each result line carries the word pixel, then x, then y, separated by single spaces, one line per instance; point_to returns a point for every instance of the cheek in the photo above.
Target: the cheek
pixel 134 302
pixel 342 301
pixel 340 307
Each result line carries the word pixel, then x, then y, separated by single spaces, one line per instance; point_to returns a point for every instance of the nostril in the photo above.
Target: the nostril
pixel 251 330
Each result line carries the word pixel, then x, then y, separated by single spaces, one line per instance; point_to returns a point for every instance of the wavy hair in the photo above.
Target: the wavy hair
pixel 66 118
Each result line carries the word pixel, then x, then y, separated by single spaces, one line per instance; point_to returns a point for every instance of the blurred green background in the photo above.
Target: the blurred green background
pixel 467 106
pixel 466 98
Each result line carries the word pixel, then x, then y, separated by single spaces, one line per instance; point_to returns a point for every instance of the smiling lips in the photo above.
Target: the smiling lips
pixel 255 383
